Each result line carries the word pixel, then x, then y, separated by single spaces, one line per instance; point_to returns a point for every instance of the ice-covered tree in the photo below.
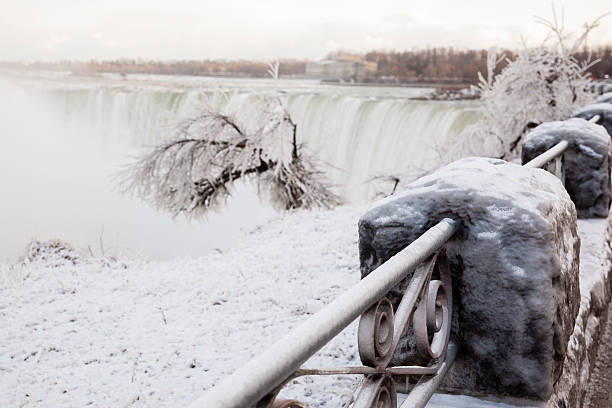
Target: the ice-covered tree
pixel 212 150
pixel 541 84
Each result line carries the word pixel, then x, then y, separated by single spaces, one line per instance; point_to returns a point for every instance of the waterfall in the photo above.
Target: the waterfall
pixel 63 142
pixel 358 136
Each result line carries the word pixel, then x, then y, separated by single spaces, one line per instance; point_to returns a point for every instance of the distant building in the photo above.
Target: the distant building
pixel 344 67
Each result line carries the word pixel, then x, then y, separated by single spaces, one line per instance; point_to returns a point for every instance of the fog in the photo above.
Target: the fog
pixel 57 182
pixel 196 29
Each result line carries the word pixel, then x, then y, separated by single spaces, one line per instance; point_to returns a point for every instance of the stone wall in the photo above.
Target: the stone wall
pixel 595 291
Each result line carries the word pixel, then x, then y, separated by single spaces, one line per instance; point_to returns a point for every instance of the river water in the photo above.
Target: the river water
pixel 64 137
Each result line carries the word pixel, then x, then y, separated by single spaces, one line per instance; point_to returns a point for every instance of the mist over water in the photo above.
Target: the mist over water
pixel 57 181
pixel 63 142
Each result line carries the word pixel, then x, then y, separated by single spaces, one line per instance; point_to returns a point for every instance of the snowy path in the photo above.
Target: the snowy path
pixel 116 334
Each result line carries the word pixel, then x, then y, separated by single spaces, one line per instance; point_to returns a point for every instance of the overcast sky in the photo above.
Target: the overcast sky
pixel 266 29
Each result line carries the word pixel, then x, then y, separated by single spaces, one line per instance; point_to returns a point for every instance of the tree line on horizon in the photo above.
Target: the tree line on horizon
pixel 429 65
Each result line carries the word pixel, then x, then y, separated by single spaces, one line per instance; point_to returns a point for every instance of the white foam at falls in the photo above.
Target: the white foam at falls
pixel 359 137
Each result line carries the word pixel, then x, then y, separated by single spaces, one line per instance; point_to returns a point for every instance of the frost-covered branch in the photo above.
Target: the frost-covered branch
pixel 195 172
pixel 541 84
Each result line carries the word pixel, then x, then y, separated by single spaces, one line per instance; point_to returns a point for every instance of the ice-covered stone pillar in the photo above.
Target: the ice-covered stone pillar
pixel 586 161
pixel 604 110
pixel 604 98
pixel 514 264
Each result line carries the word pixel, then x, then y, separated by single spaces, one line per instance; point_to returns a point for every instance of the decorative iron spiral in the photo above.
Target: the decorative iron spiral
pixel 377 392
pixel 432 320
pixel 386 396
pixel 375 334
pixel 288 404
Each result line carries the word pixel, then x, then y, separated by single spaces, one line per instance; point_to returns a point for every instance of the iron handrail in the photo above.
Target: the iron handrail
pixel 551 154
pixel 265 372
pixel 595 119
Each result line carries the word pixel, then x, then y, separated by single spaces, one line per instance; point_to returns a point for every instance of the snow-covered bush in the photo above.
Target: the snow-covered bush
pixel 53 252
pixel 541 84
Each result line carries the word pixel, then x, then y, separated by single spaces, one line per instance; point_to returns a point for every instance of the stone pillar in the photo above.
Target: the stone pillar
pixel 514 263
pixel 586 161
pixel 604 110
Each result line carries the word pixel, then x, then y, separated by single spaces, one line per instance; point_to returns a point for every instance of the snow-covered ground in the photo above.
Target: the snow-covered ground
pixel 85 331
pixel 80 330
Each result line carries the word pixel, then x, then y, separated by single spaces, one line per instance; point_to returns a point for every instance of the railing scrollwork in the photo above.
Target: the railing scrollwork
pixel 424 311
pixel 426 307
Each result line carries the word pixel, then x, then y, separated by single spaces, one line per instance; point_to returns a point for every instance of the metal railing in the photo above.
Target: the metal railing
pixel 426 305
pixel 554 153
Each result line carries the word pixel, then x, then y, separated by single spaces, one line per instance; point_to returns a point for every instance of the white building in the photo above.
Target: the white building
pixel 341 70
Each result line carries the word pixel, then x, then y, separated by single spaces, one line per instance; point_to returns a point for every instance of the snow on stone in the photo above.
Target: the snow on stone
pixel 582 131
pixel 604 98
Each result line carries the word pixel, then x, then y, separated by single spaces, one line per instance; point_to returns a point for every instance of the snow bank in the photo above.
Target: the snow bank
pixel 587 161
pixel 515 268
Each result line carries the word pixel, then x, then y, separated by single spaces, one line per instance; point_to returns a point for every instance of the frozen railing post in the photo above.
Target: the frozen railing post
pixel 586 161
pixel 514 270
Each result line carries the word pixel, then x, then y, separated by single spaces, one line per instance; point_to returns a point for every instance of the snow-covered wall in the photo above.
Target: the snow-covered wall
pixel 515 268
pixel 595 293
pixel 587 161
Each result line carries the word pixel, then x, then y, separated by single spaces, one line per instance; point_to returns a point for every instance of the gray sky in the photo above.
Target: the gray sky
pixel 266 29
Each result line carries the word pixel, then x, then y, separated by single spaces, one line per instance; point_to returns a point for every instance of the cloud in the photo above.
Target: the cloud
pixel 53 41
pixel 35 29
pixel 377 42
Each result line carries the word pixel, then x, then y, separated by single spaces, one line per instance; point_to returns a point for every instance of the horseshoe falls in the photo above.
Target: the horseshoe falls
pixel 82 130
